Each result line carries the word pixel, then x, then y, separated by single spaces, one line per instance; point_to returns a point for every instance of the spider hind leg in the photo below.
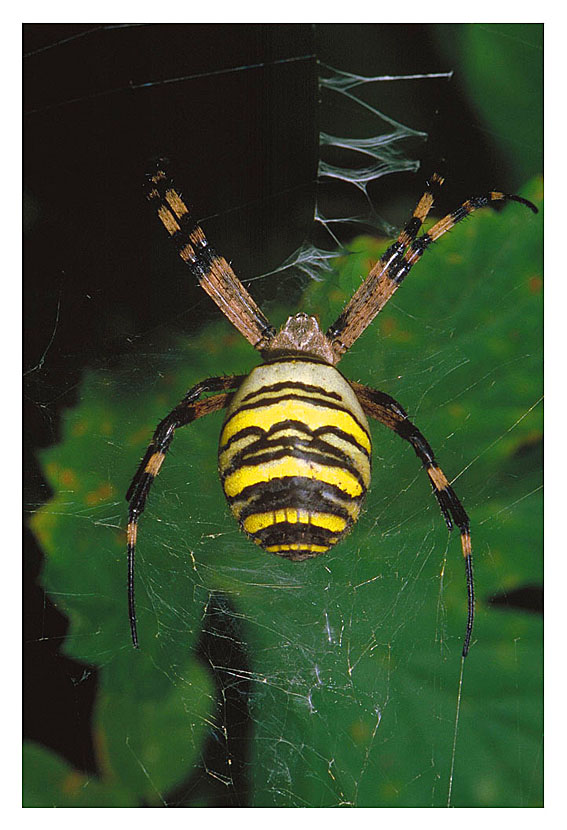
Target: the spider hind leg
pixel 388 411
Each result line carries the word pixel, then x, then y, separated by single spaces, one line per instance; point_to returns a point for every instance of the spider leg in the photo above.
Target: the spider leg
pixel 417 247
pixel 372 294
pixel 393 266
pixel 212 271
pixel 388 411
pixel 418 217
pixel 189 409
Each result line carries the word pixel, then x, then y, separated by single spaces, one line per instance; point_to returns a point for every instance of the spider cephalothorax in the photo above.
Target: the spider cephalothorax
pixel 295 447
pixel 300 334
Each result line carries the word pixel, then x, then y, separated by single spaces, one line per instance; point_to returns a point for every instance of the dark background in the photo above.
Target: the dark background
pixel 235 107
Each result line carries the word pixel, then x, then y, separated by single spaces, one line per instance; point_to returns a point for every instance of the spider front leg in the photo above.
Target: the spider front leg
pixel 188 410
pixel 388 411
pixel 396 262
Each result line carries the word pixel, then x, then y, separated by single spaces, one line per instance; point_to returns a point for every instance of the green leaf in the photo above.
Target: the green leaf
pixel 353 658
pixel 501 68
pixel 51 782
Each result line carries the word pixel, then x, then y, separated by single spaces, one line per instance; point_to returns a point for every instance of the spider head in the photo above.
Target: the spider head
pixel 302 335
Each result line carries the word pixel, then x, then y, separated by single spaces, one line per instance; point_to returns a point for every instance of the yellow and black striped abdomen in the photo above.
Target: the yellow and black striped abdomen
pixel 294 457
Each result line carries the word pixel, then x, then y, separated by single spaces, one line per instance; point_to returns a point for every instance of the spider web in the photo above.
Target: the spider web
pixel 330 683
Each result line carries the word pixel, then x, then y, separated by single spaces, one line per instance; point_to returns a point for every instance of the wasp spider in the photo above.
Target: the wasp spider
pixel 295 447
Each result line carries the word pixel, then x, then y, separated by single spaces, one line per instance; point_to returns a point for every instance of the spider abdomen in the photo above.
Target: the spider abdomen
pixel 295 456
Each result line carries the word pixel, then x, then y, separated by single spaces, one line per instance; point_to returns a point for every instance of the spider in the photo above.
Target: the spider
pixel 295 446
